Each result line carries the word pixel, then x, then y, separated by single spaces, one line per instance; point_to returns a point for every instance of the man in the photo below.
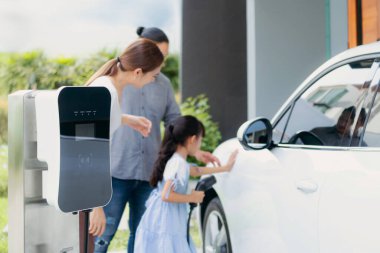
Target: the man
pixel 339 134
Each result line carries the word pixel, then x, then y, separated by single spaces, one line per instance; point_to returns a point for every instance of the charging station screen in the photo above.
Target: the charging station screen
pixel 84 114
pixel 84 131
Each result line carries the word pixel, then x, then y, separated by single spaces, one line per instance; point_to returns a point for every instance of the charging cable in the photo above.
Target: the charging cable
pixel 204 184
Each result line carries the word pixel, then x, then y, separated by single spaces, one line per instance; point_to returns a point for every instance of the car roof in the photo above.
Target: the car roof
pixel 368 49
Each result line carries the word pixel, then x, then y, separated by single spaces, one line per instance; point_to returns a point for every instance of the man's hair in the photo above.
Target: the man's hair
pixel 351 110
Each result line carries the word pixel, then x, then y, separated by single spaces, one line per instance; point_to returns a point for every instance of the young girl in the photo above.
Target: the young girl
pixel 163 225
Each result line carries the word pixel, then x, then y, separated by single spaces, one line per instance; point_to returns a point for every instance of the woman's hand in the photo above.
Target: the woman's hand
pixel 197 196
pixel 97 222
pixel 231 160
pixel 207 157
pixel 138 123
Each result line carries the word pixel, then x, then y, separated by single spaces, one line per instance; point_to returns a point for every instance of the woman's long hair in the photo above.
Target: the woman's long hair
pixel 176 134
pixel 142 53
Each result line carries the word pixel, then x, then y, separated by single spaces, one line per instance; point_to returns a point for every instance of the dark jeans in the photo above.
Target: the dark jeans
pixel 135 192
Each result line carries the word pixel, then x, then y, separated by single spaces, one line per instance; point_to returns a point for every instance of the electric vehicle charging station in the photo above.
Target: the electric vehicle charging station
pixel 58 164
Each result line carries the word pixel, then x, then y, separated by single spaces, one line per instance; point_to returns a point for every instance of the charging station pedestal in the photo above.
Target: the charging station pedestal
pixel 59 164
pixel 34 226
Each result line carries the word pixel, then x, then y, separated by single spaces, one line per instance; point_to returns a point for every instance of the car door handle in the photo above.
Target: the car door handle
pixel 307 186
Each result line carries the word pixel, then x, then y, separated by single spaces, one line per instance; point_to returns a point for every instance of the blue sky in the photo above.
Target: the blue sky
pixel 79 27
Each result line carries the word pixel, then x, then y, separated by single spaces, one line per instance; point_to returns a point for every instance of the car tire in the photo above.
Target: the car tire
pixel 215 236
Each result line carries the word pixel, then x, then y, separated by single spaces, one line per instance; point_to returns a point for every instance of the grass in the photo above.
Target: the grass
pixel 3 157
pixel 194 232
pixel 3 223
pixel 3 197
pixel 3 171
pixel 120 241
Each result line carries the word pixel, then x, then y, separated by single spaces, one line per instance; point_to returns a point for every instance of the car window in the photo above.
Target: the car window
pixel 325 113
pixel 278 130
pixel 371 136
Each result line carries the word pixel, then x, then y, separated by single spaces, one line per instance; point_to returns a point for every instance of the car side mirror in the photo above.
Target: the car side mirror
pixel 256 134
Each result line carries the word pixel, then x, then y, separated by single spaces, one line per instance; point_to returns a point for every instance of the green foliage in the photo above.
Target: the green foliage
pixel 3 223
pixel 3 198
pixel 170 70
pixel 34 70
pixel 3 183
pixel 85 68
pixel 3 120
pixel 199 108
pixel 3 171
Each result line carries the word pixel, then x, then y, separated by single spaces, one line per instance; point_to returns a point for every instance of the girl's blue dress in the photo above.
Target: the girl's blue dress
pixel 162 228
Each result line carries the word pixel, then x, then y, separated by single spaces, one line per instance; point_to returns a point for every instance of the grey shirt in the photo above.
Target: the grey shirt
pixel 132 155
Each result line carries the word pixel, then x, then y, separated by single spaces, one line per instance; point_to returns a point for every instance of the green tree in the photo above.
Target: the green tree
pixel 198 107
pixel 170 70
pixel 86 67
pixel 33 70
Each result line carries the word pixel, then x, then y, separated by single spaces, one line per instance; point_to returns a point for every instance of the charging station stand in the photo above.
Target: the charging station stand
pixel 34 226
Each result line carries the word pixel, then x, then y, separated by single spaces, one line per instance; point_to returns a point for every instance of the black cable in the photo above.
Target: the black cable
pixel 202 185
pixel 192 205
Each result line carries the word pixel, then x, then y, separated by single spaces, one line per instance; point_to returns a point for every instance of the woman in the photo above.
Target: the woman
pixel 138 65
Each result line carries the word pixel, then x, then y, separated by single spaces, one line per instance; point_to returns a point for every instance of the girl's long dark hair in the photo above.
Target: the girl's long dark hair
pixel 175 134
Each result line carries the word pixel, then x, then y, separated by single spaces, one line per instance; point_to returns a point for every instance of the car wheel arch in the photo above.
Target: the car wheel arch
pixel 209 195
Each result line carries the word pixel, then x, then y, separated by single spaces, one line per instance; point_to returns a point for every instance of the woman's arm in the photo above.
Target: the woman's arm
pixel 169 195
pixel 138 123
pixel 199 171
pixel 97 222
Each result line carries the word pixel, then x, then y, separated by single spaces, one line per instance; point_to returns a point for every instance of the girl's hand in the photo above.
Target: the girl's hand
pixel 231 160
pixel 97 222
pixel 140 124
pixel 197 196
pixel 207 157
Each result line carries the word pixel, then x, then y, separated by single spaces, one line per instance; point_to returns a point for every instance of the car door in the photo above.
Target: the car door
pixel 315 150
pixel 349 207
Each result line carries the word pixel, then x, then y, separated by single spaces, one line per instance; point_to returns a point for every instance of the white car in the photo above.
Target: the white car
pixel 309 180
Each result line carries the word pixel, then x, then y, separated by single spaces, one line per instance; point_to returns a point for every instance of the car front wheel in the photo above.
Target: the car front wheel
pixel 216 238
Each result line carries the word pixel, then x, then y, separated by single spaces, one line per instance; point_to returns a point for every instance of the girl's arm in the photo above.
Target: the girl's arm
pixel 169 195
pixel 138 123
pixel 206 157
pixel 199 171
